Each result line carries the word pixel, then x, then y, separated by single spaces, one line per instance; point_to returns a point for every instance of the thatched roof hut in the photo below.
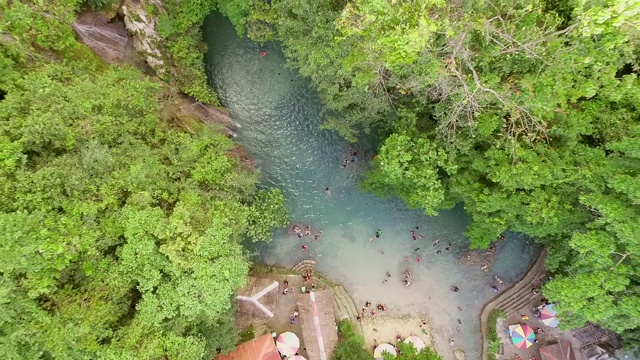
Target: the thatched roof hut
pixel 259 298
pixel 319 330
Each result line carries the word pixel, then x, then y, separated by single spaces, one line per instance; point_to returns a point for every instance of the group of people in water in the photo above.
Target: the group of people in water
pixel 300 233
pixel 353 156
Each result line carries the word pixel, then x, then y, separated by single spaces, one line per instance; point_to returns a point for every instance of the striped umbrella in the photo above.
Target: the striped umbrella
pixel 288 344
pixel 377 353
pixel 548 316
pixel 416 342
pixel 522 336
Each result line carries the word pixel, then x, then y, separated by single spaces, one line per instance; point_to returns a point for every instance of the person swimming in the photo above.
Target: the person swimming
pixel 327 191
pixel 436 242
pixel 305 247
pixel 439 251
pixel 263 53
pixel 388 274
pixel 406 258
pixel 455 288
pixel 418 259
pixel 378 233
pixel 494 288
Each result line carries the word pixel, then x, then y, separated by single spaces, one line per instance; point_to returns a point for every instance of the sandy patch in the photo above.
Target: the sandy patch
pixel 384 328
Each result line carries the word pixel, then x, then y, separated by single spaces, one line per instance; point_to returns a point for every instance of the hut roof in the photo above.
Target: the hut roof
pixel 559 351
pixel 262 348
pixel 259 298
pixel 320 337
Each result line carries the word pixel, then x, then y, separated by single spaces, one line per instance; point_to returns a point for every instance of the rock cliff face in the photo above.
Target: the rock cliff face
pixel 143 28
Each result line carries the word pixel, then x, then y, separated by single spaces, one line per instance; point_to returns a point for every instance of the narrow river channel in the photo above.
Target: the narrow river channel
pixel 280 114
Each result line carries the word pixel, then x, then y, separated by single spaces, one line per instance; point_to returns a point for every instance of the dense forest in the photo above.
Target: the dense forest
pixel 524 110
pixel 120 230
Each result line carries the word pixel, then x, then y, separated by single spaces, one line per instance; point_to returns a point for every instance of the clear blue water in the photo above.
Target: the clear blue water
pixel 280 114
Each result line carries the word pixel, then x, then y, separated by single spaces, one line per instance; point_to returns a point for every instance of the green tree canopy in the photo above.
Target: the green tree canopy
pixel 120 231
pixel 526 111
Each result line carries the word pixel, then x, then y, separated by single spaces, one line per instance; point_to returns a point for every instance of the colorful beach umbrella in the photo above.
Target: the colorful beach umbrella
pixel 548 316
pixel 288 344
pixel 522 336
pixel 416 342
pixel 377 353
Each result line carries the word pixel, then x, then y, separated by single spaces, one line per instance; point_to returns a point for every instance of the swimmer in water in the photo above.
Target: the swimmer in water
pixel 327 191
pixel 263 53
pixel 416 249
pixel 439 251
pixel 388 274
pixel 418 259
pixel 305 247
pixel 378 233
pixel 436 242
pixel 370 239
pixel 406 258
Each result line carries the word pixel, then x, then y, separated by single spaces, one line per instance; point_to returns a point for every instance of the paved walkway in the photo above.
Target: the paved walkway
pixel 316 322
pixel 510 293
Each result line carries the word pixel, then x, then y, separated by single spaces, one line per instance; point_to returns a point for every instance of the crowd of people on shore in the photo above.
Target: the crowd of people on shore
pixel 368 310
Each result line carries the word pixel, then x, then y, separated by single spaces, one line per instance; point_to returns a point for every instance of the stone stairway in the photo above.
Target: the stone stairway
pixel 345 308
pixel 514 298
pixel 304 266
pixel 520 297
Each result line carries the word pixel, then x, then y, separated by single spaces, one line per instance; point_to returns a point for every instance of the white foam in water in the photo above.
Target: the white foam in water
pixel 280 119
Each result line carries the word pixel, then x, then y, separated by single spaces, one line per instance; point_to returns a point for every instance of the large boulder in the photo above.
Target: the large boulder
pixel 109 39
pixel 143 28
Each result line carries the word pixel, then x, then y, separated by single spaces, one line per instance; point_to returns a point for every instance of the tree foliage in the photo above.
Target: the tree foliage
pixel 526 111
pixel 120 232
pixel 350 346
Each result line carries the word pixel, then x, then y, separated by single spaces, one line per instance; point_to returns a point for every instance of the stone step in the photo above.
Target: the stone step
pixel 515 307
pixel 336 308
pixel 348 301
pixel 343 311
pixel 347 312
pixel 506 303
pixel 355 311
